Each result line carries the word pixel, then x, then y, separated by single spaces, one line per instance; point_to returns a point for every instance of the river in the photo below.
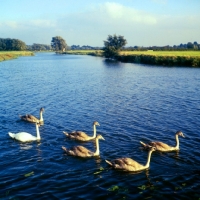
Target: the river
pixel 131 102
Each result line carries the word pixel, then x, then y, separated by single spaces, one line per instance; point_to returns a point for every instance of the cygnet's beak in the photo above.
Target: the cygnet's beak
pixel 102 138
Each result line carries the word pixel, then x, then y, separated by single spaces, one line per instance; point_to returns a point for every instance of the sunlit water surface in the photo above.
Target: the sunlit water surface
pixel 131 102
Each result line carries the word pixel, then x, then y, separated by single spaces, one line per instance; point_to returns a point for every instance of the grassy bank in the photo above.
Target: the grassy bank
pixel 162 53
pixel 165 58
pixel 8 55
pixel 84 52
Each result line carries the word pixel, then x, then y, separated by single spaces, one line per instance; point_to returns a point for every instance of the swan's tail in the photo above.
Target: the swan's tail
pixel 64 148
pixel 109 162
pixel 67 134
pixel 12 135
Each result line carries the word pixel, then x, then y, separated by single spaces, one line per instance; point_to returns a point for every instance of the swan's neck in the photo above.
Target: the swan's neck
pixel 94 131
pixel 97 147
pixel 148 159
pixel 177 142
pixel 38 132
pixel 41 117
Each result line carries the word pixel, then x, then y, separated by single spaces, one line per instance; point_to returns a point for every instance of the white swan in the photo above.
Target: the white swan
pixel 82 136
pixel 128 164
pixel 33 119
pixel 160 146
pixel 81 151
pixel 26 137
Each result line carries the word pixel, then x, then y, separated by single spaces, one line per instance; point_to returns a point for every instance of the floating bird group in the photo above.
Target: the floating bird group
pixel 125 164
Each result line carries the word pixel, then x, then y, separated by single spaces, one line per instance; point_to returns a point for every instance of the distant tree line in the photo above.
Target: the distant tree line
pixel 84 47
pixel 9 44
pixel 59 44
pixel 39 47
pixel 181 47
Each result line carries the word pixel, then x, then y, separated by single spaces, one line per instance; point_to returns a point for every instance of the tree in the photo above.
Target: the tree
pixel 113 45
pixel 58 43
pixel 19 45
pixel 12 45
pixel 195 45
pixel 190 45
pixel 39 47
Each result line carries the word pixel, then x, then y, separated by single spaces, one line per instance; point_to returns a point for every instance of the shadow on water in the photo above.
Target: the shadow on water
pixel 112 63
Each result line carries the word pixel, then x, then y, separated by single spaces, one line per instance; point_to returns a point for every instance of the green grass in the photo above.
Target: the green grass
pixel 84 52
pixel 163 53
pixel 153 53
pixel 80 51
pixel 8 55
pixel 165 58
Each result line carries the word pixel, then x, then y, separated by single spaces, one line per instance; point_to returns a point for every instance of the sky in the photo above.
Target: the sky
pixel 89 22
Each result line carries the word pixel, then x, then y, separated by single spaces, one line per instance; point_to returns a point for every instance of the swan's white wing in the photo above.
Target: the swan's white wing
pixel 24 137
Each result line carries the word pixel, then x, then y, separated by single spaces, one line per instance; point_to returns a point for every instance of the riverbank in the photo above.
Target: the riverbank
pixel 165 58
pixel 8 55
pixel 84 52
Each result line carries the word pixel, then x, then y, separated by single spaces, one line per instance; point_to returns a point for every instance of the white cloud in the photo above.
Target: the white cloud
pixel 10 24
pixel 27 24
pixel 118 12
pixel 42 23
pixel 93 26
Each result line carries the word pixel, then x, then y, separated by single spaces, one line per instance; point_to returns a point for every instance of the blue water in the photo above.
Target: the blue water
pixel 131 102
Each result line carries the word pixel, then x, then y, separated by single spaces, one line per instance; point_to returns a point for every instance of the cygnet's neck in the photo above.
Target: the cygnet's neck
pixel 41 117
pixel 94 131
pixel 148 159
pixel 177 141
pixel 97 152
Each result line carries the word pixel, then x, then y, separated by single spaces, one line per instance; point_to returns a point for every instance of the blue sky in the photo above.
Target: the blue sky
pixel 89 22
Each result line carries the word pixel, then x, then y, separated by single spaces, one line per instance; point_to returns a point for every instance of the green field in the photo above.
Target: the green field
pixel 153 53
pixel 165 58
pixel 8 55
pixel 84 52
pixel 163 53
